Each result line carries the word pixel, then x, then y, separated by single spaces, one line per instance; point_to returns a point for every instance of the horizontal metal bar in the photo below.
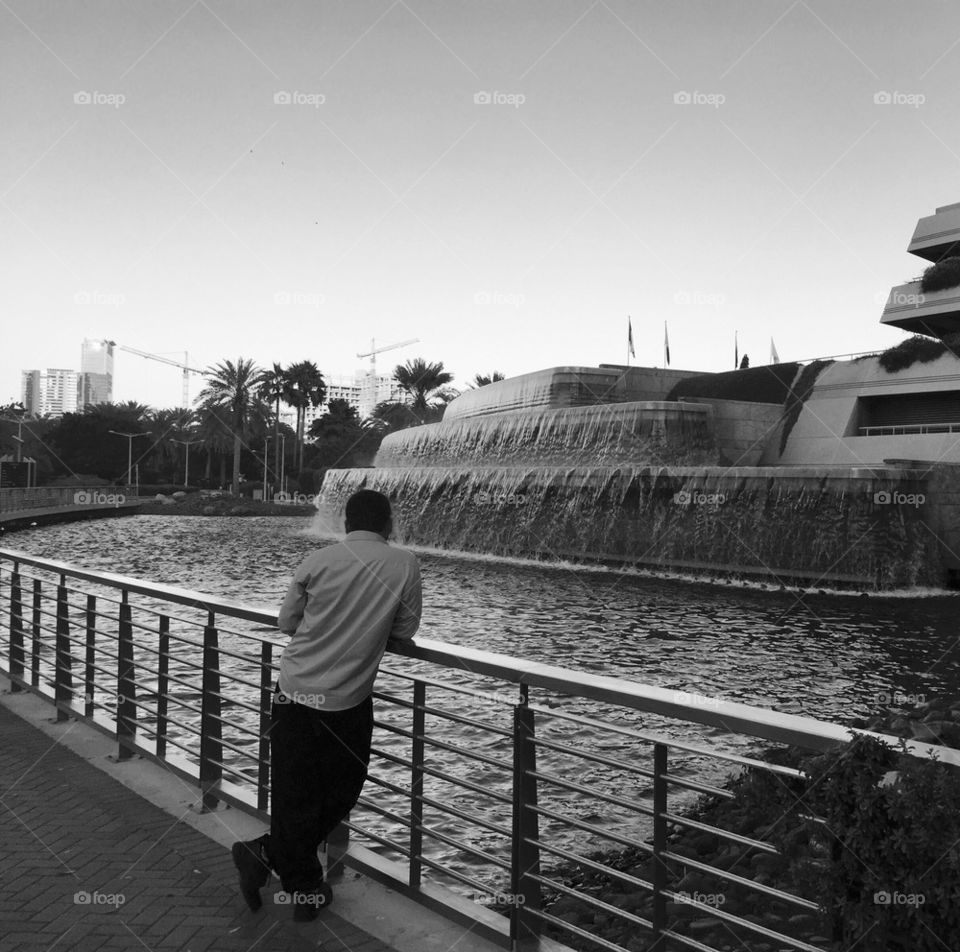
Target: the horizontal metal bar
pixel 743 923
pixel 593 864
pixel 748 883
pixel 443 745
pixel 449 778
pixel 589 828
pixel 590 901
pixel 463 847
pixel 582 933
pixel 592 792
pixel 441 805
pixel 724 834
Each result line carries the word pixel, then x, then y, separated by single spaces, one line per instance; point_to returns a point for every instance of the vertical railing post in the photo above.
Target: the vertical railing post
pixel 16 631
pixel 266 702
pixel 416 781
pixel 126 682
pixel 90 672
pixel 659 877
pixel 525 852
pixel 163 683
pixel 211 748
pixel 63 677
pixel 35 626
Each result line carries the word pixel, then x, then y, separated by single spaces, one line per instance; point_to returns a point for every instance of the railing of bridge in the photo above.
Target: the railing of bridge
pixel 492 780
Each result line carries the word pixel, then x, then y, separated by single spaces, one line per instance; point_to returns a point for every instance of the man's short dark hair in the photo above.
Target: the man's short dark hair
pixel 368 510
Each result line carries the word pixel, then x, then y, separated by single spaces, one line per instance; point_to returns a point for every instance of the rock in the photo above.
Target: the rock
pixel 209 511
pixel 179 494
pixel 159 497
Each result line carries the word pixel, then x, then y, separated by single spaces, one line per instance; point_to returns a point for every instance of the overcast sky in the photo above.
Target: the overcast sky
pixel 719 166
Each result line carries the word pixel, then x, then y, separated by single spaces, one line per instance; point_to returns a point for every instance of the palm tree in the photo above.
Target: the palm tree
pixel 232 397
pixel 481 380
pixel 272 387
pixel 424 382
pixel 169 426
pixel 304 387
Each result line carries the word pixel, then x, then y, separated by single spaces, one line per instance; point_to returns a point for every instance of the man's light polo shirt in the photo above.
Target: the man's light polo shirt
pixel 343 604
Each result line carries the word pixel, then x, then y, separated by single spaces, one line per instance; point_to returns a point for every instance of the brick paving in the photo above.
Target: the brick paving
pixel 69 832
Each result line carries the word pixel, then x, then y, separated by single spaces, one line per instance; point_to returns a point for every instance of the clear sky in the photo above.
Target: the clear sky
pixel 184 208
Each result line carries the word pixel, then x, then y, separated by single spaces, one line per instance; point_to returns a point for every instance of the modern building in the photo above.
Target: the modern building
pixel 96 372
pixel 359 391
pixel 51 392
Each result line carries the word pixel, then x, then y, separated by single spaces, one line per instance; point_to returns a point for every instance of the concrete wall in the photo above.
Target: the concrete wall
pixel 743 430
pixel 825 431
pixel 558 387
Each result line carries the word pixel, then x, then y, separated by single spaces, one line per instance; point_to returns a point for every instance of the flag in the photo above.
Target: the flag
pixel 630 349
pixel 736 352
pixel 774 356
pixel 666 345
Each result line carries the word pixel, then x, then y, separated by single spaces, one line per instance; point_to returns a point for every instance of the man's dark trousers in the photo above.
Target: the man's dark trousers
pixel 318 764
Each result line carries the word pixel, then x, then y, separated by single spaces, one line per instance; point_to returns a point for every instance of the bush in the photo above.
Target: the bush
pixel 754 385
pixel 942 275
pixel 884 864
pixel 913 350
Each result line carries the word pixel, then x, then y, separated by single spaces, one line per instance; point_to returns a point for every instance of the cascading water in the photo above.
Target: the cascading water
pixel 637 484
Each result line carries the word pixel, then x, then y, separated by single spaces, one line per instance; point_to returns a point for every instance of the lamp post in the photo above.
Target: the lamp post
pixel 130 438
pixel 266 443
pixel 283 462
pixel 186 465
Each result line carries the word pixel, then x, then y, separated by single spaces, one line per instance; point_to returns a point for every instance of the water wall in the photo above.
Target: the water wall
pixel 656 433
pixel 818 526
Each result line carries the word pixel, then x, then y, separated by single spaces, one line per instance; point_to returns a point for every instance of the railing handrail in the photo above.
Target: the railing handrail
pixel 733 716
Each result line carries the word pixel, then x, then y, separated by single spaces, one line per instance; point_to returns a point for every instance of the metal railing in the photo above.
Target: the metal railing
pixel 493 779
pixel 904 429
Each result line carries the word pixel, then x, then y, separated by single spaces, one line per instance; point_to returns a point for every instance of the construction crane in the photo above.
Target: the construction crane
pixel 374 350
pixel 187 370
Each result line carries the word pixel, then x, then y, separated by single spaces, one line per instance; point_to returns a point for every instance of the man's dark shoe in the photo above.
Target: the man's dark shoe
pixel 308 903
pixel 254 871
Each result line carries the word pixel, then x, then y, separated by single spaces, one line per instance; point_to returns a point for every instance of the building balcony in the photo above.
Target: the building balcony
pixel 937 236
pixel 932 313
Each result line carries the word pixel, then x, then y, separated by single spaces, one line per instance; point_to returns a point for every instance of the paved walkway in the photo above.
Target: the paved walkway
pixel 86 864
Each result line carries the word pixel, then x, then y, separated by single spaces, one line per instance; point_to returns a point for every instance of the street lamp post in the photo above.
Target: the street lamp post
pixel 266 443
pixel 186 465
pixel 130 438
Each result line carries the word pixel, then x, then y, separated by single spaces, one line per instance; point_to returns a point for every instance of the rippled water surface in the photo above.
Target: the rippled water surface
pixel 823 655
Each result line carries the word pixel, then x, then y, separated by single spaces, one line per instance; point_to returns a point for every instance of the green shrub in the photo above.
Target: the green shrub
pixel 797 396
pixel 755 384
pixel 882 855
pixel 908 352
pixel 944 274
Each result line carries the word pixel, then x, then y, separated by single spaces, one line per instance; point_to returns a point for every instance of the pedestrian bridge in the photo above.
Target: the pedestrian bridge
pixel 492 780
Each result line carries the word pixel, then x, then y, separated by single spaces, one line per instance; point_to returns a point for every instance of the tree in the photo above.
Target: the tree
pixel 83 445
pixel 232 398
pixel 343 441
pixel 272 388
pixel 304 387
pixel 744 362
pixel 481 380
pixel 425 383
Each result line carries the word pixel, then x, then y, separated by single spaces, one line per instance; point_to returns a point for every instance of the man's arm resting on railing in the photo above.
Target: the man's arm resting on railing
pixel 291 611
pixel 407 619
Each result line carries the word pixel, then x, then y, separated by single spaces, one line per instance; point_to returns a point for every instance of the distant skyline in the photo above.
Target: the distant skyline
pixel 506 182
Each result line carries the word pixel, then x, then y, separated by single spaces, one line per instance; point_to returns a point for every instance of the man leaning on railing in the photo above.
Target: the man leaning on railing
pixel 344 603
